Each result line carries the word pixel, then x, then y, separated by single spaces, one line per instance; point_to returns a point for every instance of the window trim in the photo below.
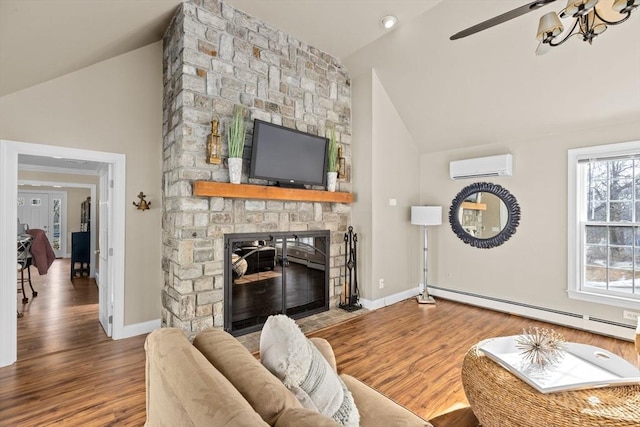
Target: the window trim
pixel 575 198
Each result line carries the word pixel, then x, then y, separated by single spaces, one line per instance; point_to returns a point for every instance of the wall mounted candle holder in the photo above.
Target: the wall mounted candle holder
pixel 214 145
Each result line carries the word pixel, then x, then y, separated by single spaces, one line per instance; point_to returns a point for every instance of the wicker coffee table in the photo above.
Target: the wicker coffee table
pixel 500 399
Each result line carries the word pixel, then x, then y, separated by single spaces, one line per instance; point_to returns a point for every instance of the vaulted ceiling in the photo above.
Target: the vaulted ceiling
pixel 486 88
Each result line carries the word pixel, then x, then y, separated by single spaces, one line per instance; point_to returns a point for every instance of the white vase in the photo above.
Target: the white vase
pixel 235 169
pixel 332 178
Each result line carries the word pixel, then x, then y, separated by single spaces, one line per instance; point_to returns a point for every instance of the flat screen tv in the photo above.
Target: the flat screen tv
pixel 288 156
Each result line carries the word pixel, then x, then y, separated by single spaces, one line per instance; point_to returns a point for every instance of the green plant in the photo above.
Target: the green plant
pixel 332 154
pixel 236 133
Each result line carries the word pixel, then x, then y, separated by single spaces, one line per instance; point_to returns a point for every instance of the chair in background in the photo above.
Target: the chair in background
pixel 24 259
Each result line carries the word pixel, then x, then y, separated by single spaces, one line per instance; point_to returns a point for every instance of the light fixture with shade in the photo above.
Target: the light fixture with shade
pixel 388 21
pixel 425 216
pixel 591 18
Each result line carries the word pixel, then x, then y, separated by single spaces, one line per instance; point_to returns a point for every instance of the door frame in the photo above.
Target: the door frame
pixel 9 151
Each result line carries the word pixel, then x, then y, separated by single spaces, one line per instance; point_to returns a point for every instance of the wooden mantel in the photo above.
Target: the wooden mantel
pixel 249 191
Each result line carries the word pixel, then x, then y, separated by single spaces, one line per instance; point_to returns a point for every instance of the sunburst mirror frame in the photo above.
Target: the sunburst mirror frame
pixel 513 220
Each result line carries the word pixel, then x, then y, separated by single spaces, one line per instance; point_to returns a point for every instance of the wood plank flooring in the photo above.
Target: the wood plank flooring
pixel 70 374
pixel 413 352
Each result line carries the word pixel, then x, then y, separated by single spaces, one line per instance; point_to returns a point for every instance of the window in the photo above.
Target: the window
pixel 604 224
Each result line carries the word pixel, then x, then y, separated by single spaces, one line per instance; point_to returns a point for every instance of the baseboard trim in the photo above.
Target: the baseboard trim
pixel 573 320
pixel 388 300
pixel 136 329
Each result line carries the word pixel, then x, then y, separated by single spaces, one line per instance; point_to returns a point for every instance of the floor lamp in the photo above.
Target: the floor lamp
pixel 425 216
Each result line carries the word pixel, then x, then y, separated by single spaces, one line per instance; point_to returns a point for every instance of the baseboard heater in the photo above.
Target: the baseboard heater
pixel 565 318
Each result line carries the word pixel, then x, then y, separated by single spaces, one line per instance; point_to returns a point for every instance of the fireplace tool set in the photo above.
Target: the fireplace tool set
pixel 351 294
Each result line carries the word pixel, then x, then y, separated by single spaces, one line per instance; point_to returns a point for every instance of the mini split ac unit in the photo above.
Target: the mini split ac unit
pixel 480 167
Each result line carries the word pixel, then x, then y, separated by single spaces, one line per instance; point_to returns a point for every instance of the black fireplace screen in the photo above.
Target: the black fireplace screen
pixel 274 273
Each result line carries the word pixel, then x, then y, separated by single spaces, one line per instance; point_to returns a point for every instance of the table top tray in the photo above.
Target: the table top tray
pixel 582 367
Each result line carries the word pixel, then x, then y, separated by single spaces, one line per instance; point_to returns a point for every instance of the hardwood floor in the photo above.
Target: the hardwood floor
pixel 69 373
pixel 413 352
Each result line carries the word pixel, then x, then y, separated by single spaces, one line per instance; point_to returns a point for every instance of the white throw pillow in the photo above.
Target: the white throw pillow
pixel 289 355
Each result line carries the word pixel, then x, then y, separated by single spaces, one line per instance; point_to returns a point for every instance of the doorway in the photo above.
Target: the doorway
pixel 114 165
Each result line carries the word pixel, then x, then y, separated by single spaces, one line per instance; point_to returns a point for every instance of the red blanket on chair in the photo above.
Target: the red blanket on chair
pixel 41 251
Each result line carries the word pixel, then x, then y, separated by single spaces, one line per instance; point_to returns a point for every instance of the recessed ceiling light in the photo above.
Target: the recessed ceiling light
pixel 388 21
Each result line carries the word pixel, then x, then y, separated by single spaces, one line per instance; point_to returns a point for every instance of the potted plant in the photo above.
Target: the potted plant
pixel 332 161
pixel 235 140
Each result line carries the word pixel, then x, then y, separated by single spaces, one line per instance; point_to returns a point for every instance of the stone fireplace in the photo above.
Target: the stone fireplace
pixel 217 57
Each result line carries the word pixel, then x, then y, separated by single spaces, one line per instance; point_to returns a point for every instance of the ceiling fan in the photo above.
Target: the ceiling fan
pixel 589 20
pixel 501 18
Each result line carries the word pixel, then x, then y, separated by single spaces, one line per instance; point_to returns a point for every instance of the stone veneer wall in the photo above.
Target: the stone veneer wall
pixel 216 57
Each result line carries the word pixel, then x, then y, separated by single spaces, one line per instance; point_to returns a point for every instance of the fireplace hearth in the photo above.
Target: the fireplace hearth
pixel 274 273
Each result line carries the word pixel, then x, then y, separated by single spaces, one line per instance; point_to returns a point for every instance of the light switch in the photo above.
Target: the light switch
pixel 393 202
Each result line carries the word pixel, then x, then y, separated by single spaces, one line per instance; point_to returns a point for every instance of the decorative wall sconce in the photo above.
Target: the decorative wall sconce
pixel 342 165
pixel 143 205
pixel 214 145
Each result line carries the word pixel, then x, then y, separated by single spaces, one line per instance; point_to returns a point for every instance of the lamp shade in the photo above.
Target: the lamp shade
pixel 577 8
pixel 549 25
pixel 625 6
pixel 598 25
pixel 426 215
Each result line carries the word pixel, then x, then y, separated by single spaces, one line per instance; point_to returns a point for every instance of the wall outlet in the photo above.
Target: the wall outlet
pixel 381 283
pixel 630 315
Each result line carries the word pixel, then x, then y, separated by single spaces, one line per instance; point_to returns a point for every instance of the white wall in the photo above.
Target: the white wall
pixel 386 166
pixel 531 267
pixel 113 106
pixel 362 178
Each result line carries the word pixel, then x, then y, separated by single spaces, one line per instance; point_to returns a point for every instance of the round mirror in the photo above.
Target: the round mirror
pixel 484 215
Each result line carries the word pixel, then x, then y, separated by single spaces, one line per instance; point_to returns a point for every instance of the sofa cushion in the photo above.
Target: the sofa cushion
pixel 378 410
pixel 304 417
pixel 286 352
pixel 266 393
pixel 184 389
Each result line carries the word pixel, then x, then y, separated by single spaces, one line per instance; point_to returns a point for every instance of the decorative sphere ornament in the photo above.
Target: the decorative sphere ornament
pixel 540 346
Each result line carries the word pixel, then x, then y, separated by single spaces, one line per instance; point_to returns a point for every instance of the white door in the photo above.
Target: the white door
pixel 33 210
pixel 105 290
pixel 45 211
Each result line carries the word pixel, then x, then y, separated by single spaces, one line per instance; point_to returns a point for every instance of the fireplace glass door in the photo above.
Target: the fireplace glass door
pixel 274 273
